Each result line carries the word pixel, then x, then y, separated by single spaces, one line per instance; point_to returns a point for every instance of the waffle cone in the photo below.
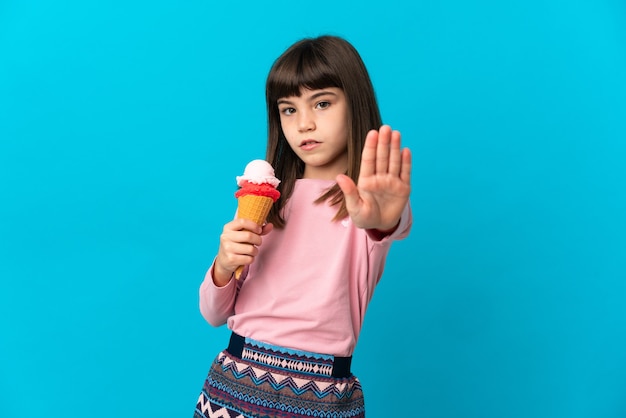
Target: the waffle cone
pixel 255 208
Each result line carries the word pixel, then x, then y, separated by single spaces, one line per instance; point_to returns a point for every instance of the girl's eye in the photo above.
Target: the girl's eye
pixel 323 105
pixel 287 111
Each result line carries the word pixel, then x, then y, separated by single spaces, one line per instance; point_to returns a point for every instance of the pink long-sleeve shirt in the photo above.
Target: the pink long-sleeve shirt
pixel 310 284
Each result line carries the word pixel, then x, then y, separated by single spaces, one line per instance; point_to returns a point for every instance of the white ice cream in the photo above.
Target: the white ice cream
pixel 258 172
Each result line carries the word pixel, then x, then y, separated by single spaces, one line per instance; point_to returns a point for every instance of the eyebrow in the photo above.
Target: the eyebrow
pixel 313 97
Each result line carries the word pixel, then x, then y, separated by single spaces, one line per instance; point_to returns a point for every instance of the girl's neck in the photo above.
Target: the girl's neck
pixel 317 180
pixel 322 173
pixel 316 177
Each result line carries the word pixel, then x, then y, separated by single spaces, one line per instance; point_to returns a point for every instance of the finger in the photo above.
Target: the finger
pixel 245 249
pixel 382 150
pixel 405 173
pixel 350 192
pixel 368 158
pixel 238 255
pixel 233 254
pixel 241 236
pixel 395 155
pixel 247 237
pixel 240 224
pixel 267 228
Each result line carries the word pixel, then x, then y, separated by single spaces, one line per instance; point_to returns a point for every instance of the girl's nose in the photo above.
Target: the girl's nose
pixel 305 122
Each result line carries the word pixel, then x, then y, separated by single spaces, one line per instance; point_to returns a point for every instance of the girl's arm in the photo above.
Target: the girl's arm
pixel 384 184
pixel 238 246
pixel 217 303
pixel 239 243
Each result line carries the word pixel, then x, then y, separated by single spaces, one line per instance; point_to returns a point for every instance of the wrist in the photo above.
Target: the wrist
pixel 220 276
pixel 380 233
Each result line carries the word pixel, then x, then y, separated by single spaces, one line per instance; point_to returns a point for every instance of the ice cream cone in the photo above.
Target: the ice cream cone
pixel 255 208
pixel 256 194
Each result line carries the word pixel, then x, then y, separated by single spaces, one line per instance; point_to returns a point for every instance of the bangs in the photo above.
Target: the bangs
pixel 303 67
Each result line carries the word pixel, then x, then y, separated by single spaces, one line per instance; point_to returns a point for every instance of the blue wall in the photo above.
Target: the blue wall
pixel 123 125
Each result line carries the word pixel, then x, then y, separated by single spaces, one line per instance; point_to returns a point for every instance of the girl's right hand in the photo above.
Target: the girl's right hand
pixel 239 243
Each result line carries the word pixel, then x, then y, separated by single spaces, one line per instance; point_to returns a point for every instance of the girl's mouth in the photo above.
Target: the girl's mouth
pixel 309 144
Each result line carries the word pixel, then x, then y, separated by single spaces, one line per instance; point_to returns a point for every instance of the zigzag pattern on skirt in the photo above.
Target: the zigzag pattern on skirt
pixel 238 388
pixel 207 409
pixel 210 408
pixel 298 385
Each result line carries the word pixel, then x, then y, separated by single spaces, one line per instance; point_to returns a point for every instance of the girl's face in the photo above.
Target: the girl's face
pixel 316 127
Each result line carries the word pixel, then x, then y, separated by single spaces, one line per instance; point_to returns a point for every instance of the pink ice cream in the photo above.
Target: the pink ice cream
pixel 258 179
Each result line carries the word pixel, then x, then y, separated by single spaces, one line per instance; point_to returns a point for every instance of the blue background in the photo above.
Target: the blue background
pixel 123 125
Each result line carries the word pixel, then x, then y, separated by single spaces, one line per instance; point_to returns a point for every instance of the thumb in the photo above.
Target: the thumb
pixel 350 191
pixel 267 228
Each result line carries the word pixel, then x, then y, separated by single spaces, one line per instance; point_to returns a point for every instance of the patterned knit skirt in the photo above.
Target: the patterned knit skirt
pixel 261 380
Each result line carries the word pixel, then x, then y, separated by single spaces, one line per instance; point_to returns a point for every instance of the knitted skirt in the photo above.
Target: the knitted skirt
pixel 254 379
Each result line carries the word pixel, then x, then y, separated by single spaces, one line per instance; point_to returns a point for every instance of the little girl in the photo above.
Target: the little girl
pixel 297 311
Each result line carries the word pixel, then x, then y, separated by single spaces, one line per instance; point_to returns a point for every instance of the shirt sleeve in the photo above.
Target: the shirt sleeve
pixel 217 303
pixel 401 232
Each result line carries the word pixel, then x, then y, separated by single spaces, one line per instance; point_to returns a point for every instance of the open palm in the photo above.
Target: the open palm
pixel 384 184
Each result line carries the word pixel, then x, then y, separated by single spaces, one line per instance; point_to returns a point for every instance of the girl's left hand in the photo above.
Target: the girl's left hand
pixel 384 183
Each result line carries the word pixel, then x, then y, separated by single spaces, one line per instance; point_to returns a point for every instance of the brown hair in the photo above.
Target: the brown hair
pixel 316 63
